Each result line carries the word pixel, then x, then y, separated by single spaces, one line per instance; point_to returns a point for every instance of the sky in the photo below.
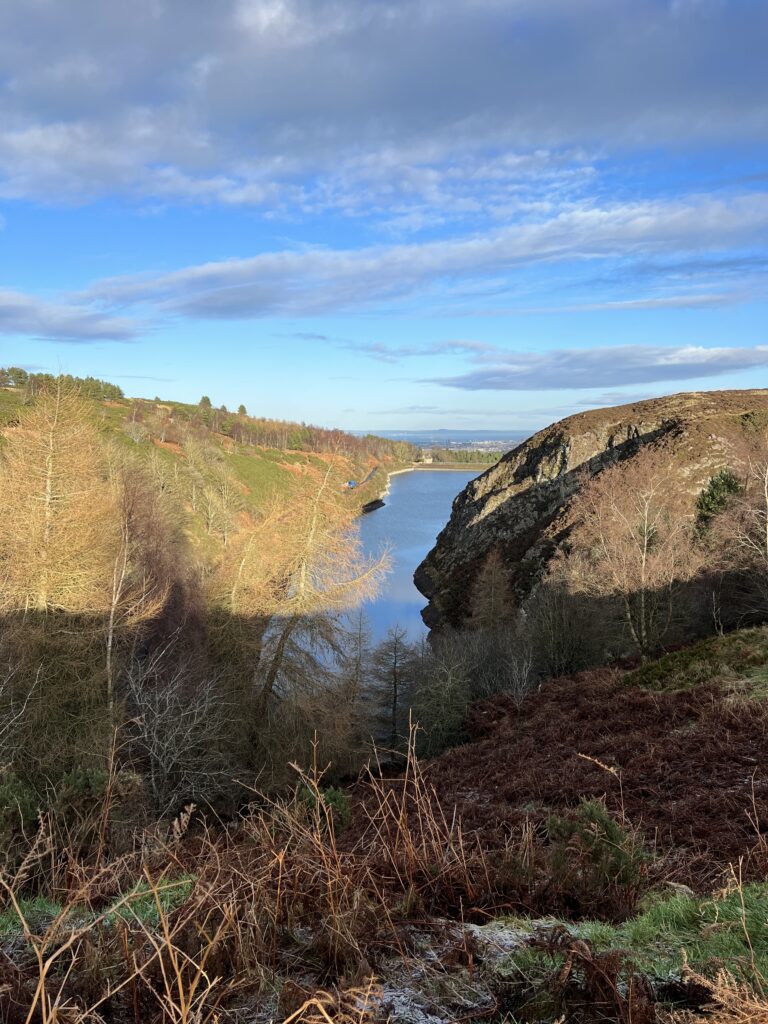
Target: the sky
pixel 387 214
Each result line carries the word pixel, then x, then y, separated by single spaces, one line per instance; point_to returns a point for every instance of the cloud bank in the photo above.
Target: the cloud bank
pixel 22 314
pixel 418 106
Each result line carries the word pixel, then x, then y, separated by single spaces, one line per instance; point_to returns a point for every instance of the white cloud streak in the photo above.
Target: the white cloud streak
pixel 310 281
pixel 22 314
pixel 616 366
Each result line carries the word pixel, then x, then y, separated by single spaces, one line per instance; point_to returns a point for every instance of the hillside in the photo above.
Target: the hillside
pixel 219 800
pixel 264 457
pixel 675 747
pixel 522 506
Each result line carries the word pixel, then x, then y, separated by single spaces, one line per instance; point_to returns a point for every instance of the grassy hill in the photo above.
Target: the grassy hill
pixel 259 454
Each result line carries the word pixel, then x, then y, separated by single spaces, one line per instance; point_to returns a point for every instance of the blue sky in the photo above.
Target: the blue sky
pixel 387 213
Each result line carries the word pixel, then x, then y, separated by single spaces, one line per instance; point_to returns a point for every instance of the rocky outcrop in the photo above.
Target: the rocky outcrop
pixel 521 505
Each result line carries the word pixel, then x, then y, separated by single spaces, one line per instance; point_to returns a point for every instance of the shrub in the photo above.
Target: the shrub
pixel 336 800
pixel 339 803
pixel 596 860
pixel 18 807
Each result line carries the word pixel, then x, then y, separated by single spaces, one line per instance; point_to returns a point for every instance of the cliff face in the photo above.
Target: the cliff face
pixel 521 505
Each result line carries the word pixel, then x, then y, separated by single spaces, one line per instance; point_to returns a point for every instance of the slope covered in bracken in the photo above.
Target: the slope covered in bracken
pixel 677 748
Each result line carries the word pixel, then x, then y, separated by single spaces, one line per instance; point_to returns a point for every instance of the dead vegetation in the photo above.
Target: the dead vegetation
pixel 278 916
pixel 688 766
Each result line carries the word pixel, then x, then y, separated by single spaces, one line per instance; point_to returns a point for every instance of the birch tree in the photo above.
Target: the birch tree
pixel 293 573
pixel 739 535
pixel 634 542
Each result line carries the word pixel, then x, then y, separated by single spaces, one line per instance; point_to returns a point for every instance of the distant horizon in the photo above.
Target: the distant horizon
pixel 486 431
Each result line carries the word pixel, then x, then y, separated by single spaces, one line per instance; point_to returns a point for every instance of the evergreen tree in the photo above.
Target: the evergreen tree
pixel 715 496
pixel 492 602
pixel 393 683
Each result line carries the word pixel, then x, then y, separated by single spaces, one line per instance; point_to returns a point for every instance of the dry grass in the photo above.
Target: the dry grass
pixel 272 898
pixel 279 915
pixel 730 1002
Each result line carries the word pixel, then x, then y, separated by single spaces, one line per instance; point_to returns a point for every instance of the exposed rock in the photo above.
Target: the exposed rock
pixel 521 505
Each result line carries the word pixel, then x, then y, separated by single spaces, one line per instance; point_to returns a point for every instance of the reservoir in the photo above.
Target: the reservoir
pixel 416 509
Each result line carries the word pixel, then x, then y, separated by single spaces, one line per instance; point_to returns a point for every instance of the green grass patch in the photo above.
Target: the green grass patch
pixel 730 931
pixel 738 662
pixel 261 473
pixel 140 904
pixel 673 931
pixel 726 931
pixel 37 912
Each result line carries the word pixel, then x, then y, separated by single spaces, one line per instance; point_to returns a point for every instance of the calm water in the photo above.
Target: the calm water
pixel 417 508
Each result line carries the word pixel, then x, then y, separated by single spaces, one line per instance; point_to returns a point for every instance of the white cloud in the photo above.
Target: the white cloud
pixel 309 281
pixel 621 365
pixel 27 315
pixel 420 99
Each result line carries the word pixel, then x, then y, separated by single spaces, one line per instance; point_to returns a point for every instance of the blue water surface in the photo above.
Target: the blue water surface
pixel 417 508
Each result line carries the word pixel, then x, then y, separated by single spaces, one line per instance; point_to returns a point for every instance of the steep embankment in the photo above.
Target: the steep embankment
pixel 521 505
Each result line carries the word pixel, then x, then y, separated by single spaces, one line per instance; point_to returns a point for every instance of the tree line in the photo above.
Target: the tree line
pixel 168 421
pixel 33 384
pixel 171 421
pixel 468 456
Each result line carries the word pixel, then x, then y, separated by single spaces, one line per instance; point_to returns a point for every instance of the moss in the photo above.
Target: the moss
pixel 736 662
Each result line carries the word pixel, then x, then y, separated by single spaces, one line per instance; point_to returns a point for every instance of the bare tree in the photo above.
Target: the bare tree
pixel 294 573
pixel 739 534
pixel 634 542
pixel 392 684
pixel 12 709
pixel 562 637
pixel 180 728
